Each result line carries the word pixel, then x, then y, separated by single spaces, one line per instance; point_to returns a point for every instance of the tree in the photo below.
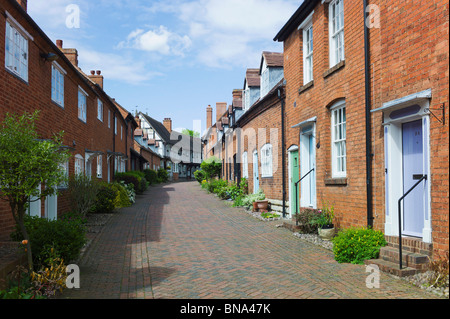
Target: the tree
pixel 25 163
pixel 191 133
pixel 212 167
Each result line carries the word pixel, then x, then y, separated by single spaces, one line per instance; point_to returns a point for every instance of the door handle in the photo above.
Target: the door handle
pixel 416 177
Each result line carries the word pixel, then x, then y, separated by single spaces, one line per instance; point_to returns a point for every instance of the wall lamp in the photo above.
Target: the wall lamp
pixel 50 57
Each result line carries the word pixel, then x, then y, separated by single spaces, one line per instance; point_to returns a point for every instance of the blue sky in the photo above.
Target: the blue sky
pixel 169 58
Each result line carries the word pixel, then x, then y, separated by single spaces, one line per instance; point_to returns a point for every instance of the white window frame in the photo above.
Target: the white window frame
pixel 16 40
pixel 82 104
pixel 308 49
pixel 338 140
pixel 99 109
pixel 245 165
pixel 246 98
pixel 58 74
pixel 79 164
pixel 109 118
pixel 115 125
pixel 99 166
pixel 265 80
pixel 65 170
pixel 336 32
pixel 121 132
pixel 267 160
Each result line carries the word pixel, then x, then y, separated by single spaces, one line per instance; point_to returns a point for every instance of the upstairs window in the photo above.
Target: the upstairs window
pixel 308 53
pixel 16 50
pixel 100 110
pixel 338 140
pixel 266 161
pixel 336 18
pixel 245 165
pixel 82 106
pixel 58 84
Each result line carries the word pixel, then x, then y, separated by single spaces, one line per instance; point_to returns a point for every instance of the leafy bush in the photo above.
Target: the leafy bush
pixel 151 176
pixel 244 185
pixel 324 216
pixel 82 193
pixel 211 167
pixel 306 220
pixel 163 175
pixel 125 195
pixel 66 235
pixel 128 179
pixel 215 185
pixel 104 203
pixel 439 271
pixel 354 245
pixel 199 176
pixel 247 201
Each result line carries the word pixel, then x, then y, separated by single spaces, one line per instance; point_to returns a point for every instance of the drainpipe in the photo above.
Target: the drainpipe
pixel 369 154
pixel 114 145
pixel 283 149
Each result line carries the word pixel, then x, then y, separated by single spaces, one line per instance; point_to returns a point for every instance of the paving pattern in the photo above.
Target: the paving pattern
pixel 178 242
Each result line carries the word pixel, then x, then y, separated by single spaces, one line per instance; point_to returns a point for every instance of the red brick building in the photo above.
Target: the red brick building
pixel 366 107
pixel 40 75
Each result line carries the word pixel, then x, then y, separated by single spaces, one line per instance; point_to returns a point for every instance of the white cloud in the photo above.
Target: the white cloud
pixel 159 40
pixel 230 32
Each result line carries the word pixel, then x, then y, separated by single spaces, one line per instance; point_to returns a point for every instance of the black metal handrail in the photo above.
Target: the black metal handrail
pixel 296 194
pixel 420 179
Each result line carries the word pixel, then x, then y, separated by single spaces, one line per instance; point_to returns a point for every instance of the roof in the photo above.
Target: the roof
pixel 252 78
pixel 273 59
pixel 302 12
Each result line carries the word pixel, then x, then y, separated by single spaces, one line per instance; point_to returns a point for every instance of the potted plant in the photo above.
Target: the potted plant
pixel 324 222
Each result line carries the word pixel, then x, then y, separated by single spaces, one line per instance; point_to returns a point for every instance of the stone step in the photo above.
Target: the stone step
pixel 392 268
pixel 411 244
pixel 409 259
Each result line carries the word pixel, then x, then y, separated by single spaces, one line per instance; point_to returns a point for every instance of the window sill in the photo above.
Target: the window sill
pixel 17 76
pixel 305 87
pixel 334 69
pixel 58 105
pixel 337 181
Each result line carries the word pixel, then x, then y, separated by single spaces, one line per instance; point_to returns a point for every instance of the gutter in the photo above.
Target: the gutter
pixel 369 155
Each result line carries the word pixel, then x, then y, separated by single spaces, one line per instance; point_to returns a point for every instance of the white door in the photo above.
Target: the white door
pixel 51 207
pixel 307 163
pixel 255 173
pixel 34 208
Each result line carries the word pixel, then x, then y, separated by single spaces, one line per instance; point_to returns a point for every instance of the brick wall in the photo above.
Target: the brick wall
pixel 17 96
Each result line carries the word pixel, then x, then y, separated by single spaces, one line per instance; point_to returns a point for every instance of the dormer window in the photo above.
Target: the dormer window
pixel 265 83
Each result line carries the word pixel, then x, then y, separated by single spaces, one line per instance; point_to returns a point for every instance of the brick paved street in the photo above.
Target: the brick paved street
pixel 178 242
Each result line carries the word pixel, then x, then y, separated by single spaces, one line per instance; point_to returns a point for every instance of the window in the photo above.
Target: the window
pixel 247 98
pixel 115 125
pixel 109 118
pixel 266 161
pixel 121 131
pixel 99 166
pixel 308 54
pixel 245 165
pixel 265 80
pixel 338 136
pixel 100 110
pixel 336 19
pixel 58 84
pixel 82 105
pixel 16 51
pixel 79 164
pixel 64 167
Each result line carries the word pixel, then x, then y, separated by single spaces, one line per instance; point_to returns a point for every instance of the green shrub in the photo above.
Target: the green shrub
pixel 66 235
pixel 163 175
pixel 104 203
pixel 199 176
pixel 307 220
pixel 247 201
pixel 127 179
pixel 151 176
pixel 82 193
pixel 216 185
pixel 125 195
pixel 354 245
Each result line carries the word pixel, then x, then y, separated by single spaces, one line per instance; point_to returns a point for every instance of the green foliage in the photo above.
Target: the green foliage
pixel 354 245
pixel 306 220
pixel 104 202
pixel 248 200
pixel 216 185
pixel 439 271
pixel 199 176
pixel 125 195
pixel 244 185
pixel 134 177
pixel 82 192
pixel 190 132
pixel 151 176
pixel 163 175
pixel 211 167
pixel 66 235
pixel 324 216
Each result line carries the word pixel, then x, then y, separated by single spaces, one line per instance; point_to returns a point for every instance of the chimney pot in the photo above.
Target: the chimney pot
pixel 23 4
pixel 99 72
pixel 92 72
pixel 59 44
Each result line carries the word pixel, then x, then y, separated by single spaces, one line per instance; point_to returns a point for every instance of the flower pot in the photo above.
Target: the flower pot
pixel 262 204
pixel 326 232
pixel 255 206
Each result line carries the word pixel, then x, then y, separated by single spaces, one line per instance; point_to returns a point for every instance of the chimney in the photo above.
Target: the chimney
pixel 220 110
pixel 23 4
pixel 237 94
pixel 209 111
pixel 71 54
pixel 138 120
pixel 168 124
pixel 97 77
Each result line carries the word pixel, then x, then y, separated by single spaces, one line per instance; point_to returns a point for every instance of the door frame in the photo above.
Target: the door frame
pixel 292 149
pixel 397 112
pixel 307 132
pixel 255 169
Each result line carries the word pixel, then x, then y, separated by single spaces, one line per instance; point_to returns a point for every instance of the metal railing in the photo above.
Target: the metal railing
pixel 419 179
pixel 296 195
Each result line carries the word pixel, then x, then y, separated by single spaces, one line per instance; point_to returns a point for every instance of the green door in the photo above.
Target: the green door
pixel 294 173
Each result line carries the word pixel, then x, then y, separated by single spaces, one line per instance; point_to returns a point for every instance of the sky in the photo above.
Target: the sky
pixel 168 58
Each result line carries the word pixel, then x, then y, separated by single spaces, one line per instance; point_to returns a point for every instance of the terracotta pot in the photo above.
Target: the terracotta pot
pixel 262 204
pixel 255 206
